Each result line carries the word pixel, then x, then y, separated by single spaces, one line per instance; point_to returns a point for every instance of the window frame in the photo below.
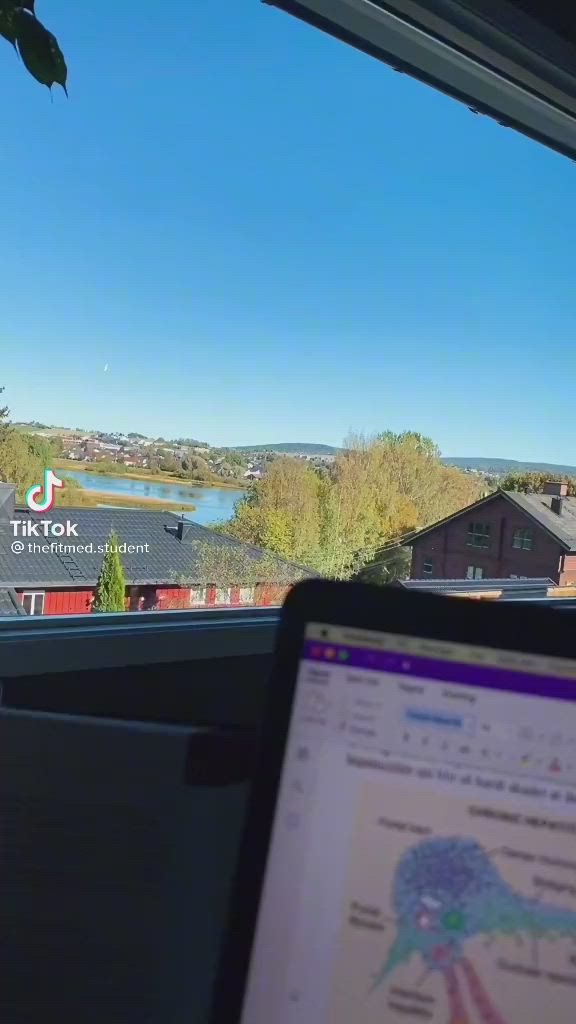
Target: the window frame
pixel 251 599
pixel 72 643
pixel 476 574
pixel 221 590
pixel 514 86
pixel 528 535
pixel 199 604
pixel 34 594
pixel 425 571
pixel 478 529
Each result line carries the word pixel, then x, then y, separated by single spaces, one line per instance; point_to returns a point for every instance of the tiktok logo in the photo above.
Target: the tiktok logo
pixel 35 502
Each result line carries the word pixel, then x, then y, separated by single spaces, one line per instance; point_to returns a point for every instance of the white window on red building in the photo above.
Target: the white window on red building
pixel 33 602
pixel 246 595
pixel 197 596
pixel 223 595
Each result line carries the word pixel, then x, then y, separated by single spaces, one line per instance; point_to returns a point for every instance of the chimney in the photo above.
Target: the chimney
pixel 7 500
pixel 184 529
pixel 556 487
pixel 558 491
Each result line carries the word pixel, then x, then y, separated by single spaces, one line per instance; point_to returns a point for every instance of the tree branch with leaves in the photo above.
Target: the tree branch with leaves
pixel 232 565
pixel 36 45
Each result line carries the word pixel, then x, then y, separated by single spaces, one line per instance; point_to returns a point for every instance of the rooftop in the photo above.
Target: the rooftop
pixel 534 585
pixel 172 548
pixel 537 506
pixel 9 603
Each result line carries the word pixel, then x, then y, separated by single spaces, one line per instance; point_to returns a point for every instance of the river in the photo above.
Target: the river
pixel 212 503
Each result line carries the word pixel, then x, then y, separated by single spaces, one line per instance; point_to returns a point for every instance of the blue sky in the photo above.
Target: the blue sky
pixel 269 236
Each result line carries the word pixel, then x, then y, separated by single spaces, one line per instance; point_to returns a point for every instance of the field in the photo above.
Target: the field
pixel 90 499
pixel 127 473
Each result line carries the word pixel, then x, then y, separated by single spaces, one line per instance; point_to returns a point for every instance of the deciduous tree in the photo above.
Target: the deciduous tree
pixel 377 491
pixel 533 482
pixel 23 457
pixel 228 565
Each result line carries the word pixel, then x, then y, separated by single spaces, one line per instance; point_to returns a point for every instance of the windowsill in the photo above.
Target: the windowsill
pixel 67 643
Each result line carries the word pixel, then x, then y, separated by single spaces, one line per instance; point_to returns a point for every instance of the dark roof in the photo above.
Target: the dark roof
pixel 537 506
pixel 168 557
pixel 9 603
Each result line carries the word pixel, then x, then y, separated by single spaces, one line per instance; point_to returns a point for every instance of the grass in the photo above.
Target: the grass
pixel 128 473
pixel 90 499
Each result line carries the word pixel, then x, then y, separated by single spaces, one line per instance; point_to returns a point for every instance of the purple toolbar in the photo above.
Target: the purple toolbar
pixel 488 676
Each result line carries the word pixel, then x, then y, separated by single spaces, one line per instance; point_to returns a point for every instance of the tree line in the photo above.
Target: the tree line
pixel 334 519
pixel 532 482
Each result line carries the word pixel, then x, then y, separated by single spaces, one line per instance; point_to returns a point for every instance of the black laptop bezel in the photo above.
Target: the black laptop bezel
pixel 387 609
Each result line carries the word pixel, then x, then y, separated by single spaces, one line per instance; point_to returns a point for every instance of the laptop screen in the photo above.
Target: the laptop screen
pixel 422 865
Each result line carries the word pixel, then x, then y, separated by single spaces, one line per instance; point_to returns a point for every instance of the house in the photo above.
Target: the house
pixel 506 534
pixel 163 555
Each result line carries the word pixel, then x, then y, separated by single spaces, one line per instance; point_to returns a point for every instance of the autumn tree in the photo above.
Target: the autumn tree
pixel 532 482
pixel 377 491
pixel 281 512
pixel 226 564
pixel 23 456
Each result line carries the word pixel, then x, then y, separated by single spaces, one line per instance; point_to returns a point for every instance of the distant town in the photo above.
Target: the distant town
pixel 186 458
pixel 237 463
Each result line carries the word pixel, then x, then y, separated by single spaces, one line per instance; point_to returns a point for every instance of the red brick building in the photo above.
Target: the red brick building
pixel 507 534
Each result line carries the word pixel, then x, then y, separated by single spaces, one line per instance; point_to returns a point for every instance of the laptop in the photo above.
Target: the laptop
pixel 410 849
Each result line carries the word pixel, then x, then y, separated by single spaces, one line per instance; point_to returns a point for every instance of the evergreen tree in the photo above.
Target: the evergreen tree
pixel 111 586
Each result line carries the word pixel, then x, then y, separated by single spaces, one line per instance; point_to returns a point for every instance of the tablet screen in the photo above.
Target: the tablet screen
pixel 422 865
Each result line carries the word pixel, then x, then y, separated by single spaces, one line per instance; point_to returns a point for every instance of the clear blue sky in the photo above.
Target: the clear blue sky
pixel 269 236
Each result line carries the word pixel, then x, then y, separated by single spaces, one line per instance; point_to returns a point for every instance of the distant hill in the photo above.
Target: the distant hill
pixel 289 448
pixel 501 466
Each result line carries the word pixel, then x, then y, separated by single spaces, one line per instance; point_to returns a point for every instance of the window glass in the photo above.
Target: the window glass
pixel 33 603
pixel 522 538
pixel 251 355
pixel 478 535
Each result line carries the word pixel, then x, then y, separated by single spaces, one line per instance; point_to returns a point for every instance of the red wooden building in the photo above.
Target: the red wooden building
pixel 57 568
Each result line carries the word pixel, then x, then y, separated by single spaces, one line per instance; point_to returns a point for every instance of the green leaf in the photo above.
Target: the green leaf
pixel 39 50
pixel 7 28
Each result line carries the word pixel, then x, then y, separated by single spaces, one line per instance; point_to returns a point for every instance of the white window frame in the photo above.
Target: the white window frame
pixel 223 590
pixel 425 571
pixel 474 572
pixel 34 594
pixel 243 591
pixel 198 602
